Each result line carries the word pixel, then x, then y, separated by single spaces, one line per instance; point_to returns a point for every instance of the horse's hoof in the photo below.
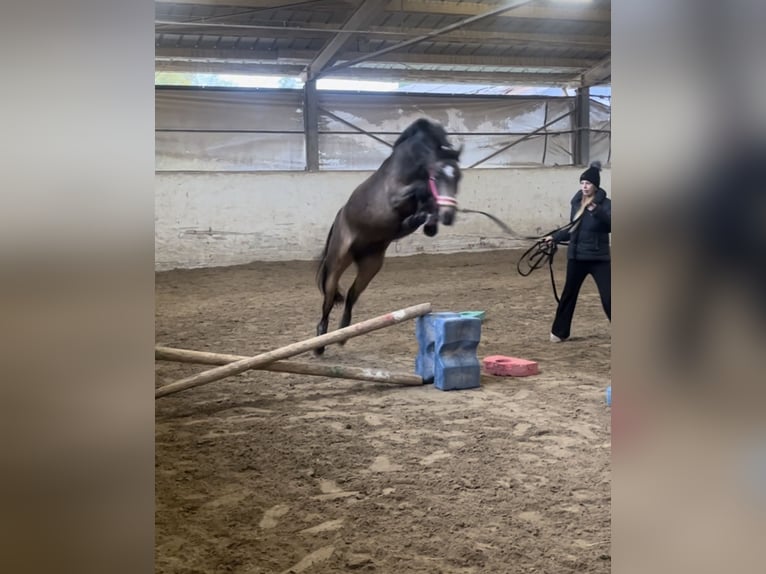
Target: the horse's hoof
pixel 319 351
pixel 430 230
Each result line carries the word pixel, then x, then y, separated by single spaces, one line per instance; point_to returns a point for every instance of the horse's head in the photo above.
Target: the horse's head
pixel 443 179
pixel 423 150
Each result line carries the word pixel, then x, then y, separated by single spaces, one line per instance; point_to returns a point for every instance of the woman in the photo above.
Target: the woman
pixel 588 252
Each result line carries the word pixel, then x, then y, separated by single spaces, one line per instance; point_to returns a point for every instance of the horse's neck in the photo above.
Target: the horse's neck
pixel 408 170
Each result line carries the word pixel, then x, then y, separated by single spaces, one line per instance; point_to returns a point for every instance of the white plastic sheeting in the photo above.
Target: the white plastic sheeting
pixel 483 126
pixel 224 130
pixel 601 137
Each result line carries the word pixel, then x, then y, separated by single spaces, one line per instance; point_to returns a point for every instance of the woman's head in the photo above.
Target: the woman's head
pixel 587 187
pixel 590 179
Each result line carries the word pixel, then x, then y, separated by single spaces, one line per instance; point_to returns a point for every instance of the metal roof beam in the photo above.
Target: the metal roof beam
pixel 367 10
pixel 226 68
pixel 473 8
pixel 306 56
pixel 598 74
pixel 512 4
pixel 454 8
pixel 503 38
pixel 317 31
pixel 428 76
pixel 453 76
pixel 260 4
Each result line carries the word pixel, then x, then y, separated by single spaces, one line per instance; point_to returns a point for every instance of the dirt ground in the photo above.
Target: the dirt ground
pixel 267 472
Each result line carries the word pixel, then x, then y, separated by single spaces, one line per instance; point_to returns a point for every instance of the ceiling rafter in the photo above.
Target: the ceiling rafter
pixel 504 7
pixel 364 14
pixel 260 4
pixel 305 56
pixel 537 39
pixel 598 74
pixel 454 8
pixel 429 76
pixel 547 12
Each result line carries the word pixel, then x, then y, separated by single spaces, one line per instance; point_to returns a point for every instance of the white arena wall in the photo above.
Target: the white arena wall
pixel 217 219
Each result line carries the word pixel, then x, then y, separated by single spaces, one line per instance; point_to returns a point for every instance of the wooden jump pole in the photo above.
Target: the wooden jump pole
pixel 318 369
pixel 294 349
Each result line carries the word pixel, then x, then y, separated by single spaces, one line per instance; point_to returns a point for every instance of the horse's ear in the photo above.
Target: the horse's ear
pixel 450 152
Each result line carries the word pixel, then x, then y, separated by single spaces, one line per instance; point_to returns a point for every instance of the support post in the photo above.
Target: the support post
pixel 582 127
pixel 311 124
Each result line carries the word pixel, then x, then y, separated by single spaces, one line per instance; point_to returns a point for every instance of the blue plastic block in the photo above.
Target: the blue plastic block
pixel 456 365
pixel 447 344
pixel 609 395
pixel 424 332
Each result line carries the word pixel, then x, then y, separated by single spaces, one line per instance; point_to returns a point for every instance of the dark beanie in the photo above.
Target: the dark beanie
pixel 592 174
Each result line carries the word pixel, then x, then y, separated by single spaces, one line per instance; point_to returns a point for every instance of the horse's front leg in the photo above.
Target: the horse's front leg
pixel 431 226
pixel 426 212
pixel 411 223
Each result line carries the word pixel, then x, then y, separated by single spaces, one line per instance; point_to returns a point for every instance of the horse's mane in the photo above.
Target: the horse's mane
pixel 420 144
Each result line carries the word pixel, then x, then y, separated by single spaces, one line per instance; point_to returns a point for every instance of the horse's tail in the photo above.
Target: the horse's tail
pixel 324 268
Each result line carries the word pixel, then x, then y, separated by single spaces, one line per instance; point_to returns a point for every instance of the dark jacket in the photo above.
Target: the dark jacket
pixel 590 241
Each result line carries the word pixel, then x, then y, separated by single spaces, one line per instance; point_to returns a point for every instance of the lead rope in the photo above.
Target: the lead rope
pixel 539 254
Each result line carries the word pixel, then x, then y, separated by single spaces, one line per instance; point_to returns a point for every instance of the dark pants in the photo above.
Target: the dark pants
pixel 577 271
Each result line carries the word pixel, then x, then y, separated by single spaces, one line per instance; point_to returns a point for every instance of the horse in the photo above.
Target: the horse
pixel 416 185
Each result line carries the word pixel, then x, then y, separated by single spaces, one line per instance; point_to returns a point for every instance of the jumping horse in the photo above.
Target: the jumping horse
pixel 416 185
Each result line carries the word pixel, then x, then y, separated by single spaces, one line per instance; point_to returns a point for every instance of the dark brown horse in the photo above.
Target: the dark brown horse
pixel 416 185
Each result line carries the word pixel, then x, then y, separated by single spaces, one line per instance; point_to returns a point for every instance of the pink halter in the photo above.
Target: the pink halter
pixel 441 200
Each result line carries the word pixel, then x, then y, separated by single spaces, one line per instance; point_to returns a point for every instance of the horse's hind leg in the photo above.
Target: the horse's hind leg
pixel 368 266
pixel 331 294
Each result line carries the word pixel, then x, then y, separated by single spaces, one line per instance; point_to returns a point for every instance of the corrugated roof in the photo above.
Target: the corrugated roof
pixel 543 41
